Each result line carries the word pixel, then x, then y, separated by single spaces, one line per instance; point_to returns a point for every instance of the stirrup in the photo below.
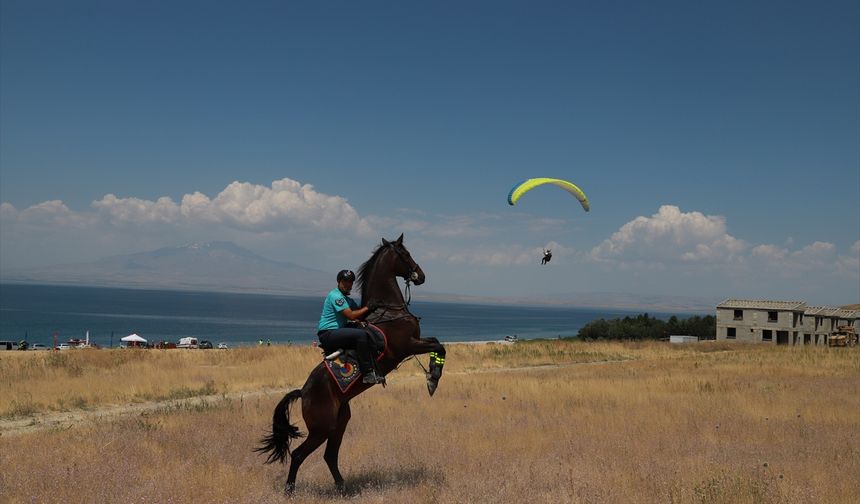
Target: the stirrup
pixel 373 378
pixel 334 355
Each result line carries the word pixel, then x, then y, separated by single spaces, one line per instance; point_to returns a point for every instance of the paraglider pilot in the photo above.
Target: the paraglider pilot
pixel 547 256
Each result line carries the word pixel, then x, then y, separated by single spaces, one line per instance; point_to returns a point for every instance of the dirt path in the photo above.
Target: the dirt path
pixel 69 419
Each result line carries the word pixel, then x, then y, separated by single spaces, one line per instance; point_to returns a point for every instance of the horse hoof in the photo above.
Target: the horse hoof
pixel 431 386
pixel 289 489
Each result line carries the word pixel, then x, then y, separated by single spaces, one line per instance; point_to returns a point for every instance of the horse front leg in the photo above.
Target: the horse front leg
pixel 437 360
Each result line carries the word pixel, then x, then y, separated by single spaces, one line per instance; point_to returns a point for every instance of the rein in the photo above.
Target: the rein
pixel 409 290
pixel 417 361
pixel 401 309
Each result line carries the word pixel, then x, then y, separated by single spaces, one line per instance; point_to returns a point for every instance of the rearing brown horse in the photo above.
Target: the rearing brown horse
pixel 325 408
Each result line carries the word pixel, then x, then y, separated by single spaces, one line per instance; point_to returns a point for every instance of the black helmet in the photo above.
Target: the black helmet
pixel 345 275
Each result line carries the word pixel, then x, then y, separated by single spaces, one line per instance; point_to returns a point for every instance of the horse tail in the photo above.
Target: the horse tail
pixel 278 442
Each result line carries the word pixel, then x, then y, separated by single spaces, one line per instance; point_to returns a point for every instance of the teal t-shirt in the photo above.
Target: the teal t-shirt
pixel 334 304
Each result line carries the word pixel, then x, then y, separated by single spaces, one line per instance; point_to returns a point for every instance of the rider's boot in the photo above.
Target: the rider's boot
pixel 365 364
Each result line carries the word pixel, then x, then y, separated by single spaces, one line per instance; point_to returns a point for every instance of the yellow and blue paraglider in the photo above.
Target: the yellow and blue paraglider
pixel 527 185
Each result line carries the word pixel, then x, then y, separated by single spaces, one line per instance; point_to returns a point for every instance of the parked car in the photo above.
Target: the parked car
pixel 205 344
pixel 222 346
pixel 188 342
pixel 63 346
pixel 38 346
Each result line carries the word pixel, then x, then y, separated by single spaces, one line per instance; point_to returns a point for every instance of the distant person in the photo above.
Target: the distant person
pixel 268 342
pixel 547 256
pixel 334 332
pixel 260 342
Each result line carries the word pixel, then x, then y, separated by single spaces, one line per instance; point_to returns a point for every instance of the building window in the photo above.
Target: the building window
pixel 767 335
pixel 739 314
pixel 772 316
pixel 730 333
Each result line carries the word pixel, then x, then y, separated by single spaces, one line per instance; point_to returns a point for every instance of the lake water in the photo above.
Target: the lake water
pixel 38 311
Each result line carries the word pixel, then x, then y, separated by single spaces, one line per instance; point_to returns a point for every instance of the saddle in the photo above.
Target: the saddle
pixel 342 365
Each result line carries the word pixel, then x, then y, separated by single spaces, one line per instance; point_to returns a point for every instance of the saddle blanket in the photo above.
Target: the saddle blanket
pixel 344 369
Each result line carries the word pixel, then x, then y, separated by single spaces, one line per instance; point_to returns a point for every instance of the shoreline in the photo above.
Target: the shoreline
pixel 478 342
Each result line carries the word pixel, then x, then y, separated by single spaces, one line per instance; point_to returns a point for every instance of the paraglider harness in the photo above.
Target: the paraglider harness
pixel 547 256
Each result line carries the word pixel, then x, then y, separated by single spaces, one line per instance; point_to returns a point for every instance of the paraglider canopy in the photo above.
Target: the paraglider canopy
pixel 527 185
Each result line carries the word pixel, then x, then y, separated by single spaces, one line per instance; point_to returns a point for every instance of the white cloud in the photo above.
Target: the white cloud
pixel 285 217
pixel 8 211
pixel 819 256
pixel 670 236
pixel 769 252
pixel 817 252
pixel 242 205
pixel 849 265
pixel 693 243
pixel 137 211
pixel 197 206
pixel 46 214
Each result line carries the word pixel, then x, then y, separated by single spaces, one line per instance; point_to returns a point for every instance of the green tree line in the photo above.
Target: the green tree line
pixel 644 327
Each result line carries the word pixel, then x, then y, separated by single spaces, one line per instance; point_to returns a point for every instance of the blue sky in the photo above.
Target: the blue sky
pixel 718 142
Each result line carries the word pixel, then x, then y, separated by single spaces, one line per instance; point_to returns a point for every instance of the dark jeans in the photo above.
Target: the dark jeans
pixel 349 338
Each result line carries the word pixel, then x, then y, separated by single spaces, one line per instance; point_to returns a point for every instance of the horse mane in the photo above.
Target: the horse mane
pixel 366 269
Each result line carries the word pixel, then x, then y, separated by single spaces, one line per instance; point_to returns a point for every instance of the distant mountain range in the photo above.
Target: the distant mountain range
pixel 196 266
pixel 225 266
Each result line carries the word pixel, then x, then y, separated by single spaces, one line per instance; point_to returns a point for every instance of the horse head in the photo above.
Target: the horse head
pixel 404 266
pixel 378 274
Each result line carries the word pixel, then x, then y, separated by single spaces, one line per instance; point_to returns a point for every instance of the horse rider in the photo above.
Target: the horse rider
pixel 547 256
pixel 334 331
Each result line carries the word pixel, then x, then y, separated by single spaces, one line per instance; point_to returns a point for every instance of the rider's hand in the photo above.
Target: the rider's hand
pixel 372 306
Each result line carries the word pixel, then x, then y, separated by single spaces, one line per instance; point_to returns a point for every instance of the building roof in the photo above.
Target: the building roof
pixel 763 304
pixel 829 311
pixel 766 304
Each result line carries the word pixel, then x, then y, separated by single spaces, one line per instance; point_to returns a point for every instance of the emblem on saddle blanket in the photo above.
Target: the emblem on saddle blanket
pixel 343 369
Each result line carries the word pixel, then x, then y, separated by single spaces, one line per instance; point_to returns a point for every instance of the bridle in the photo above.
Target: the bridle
pixel 413 272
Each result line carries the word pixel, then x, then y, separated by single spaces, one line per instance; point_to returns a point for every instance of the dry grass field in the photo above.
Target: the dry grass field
pixel 551 421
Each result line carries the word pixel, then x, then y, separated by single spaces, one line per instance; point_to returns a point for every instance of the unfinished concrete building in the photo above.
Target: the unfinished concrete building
pixel 780 322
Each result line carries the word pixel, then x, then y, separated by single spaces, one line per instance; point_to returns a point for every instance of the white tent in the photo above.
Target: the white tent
pixel 135 338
